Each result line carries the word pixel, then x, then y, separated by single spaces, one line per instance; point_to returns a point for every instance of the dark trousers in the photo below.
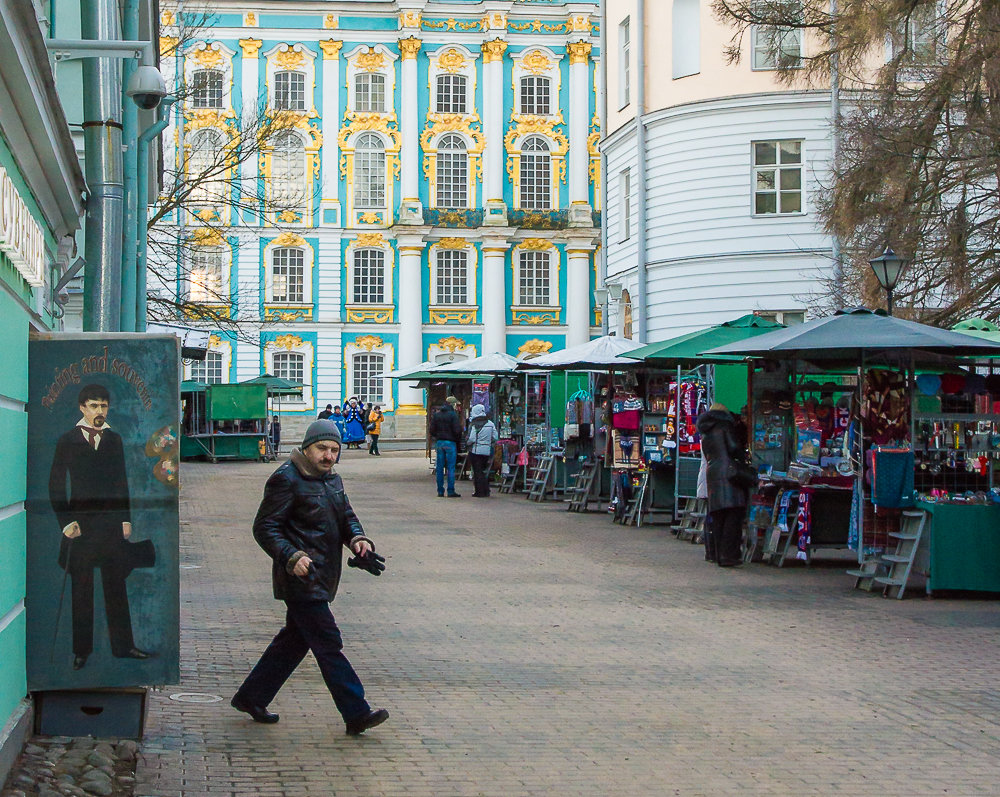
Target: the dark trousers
pixel 309 625
pixel 708 535
pixel 480 478
pixel 116 609
pixel 373 446
pixel 727 528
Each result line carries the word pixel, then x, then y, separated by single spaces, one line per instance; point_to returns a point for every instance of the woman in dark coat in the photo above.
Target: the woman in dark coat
pixel 721 445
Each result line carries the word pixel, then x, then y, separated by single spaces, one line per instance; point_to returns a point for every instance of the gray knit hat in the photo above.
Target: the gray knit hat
pixel 321 430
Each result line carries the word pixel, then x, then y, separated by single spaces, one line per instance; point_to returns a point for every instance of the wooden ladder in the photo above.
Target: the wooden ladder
pixel 508 483
pixel 692 519
pixel 900 563
pixel 579 493
pixel 634 508
pixel 538 484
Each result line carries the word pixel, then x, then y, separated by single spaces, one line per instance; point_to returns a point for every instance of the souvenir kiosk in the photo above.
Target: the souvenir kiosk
pixel 235 424
pixel 916 420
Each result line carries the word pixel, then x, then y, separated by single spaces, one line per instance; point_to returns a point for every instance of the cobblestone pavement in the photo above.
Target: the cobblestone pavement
pixel 524 650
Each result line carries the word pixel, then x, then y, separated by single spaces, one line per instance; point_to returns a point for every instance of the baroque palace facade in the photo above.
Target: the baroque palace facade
pixel 435 197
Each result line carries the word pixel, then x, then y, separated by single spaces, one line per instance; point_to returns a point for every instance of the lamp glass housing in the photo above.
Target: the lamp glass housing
pixel 887 267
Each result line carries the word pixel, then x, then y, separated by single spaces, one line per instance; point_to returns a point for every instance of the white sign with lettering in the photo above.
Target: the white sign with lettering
pixel 21 238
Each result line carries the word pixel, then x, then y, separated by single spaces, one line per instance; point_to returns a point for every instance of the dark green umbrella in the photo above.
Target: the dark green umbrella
pixel 688 348
pixel 190 386
pixel 276 385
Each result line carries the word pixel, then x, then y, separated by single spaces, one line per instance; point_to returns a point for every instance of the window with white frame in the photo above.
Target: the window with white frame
pixel 774 47
pixel 777 177
pixel 369 92
pixel 288 275
pixel 288 171
pixel 210 370
pixel 368 279
pixel 206 167
pixel 451 93
pixel 536 95
pixel 289 365
pixel 536 174
pixel 369 172
pixel 452 173
pixel 367 379
pixel 922 33
pixel 533 279
pixel 289 91
pixel 452 277
pixel 626 203
pixel 624 62
pixel 207 88
pixel 205 274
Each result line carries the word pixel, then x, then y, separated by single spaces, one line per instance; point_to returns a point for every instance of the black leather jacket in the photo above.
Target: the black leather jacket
pixel 305 514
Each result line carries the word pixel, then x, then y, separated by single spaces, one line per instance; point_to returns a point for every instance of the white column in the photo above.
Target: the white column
pixel 579 117
pixel 494 298
pixel 410 211
pixel 577 295
pixel 493 119
pixel 249 88
pixel 411 308
pixel 330 125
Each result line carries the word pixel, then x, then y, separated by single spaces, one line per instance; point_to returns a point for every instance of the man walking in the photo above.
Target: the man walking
pixel 326 413
pixel 303 523
pixel 446 430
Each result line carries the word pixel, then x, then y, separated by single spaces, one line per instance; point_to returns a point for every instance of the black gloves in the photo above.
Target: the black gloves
pixel 371 562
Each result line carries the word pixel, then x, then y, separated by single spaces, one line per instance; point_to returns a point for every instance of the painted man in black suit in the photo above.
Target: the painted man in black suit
pixel 93 510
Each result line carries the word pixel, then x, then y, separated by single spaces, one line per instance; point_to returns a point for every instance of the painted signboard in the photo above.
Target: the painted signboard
pixel 102 584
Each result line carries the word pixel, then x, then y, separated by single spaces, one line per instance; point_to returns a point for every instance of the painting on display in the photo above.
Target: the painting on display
pixel 102 547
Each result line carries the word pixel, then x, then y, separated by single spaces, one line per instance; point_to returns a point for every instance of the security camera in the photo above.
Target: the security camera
pixel 146 87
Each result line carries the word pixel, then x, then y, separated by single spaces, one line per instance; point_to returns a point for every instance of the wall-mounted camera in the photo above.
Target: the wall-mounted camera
pixel 146 87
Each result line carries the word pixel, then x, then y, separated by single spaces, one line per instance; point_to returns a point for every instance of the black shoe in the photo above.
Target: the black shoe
pixel 370 720
pixel 734 563
pixel 454 495
pixel 78 662
pixel 257 713
pixel 134 653
pixel 440 495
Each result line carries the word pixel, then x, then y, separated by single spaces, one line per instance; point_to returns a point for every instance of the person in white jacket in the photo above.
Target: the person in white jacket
pixel 702 492
pixel 480 438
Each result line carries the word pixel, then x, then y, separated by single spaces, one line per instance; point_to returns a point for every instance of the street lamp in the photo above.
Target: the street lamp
pixel 601 300
pixel 887 267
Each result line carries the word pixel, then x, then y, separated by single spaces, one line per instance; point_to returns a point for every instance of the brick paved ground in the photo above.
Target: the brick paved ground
pixel 523 650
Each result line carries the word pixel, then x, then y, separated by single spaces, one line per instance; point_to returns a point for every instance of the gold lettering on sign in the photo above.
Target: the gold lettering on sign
pixel 21 237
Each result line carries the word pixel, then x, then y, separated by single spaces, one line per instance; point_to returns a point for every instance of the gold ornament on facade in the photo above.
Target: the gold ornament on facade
pixel 288 239
pixel 534 319
pixel 535 346
pixel 289 217
pixel 250 47
pixel 536 244
pixel 330 48
pixel 409 47
pixel 536 62
pixel 579 52
pixel 214 341
pixel 409 19
pixel 168 18
pixel 331 21
pixel 289 59
pixel 580 22
pixel 452 243
pixel 208 58
pixel 168 46
pixel 495 21
pixel 369 239
pixel 207 214
pixel 381 315
pixel 287 342
pixel 370 218
pixel 250 20
pixel 369 342
pixel 452 344
pixel 438 316
pixel 273 313
pixel 493 51
pixel 206 236
pixel 198 118
pixel 370 61
pixel 451 61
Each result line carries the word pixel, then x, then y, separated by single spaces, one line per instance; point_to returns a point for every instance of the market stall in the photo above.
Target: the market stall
pixel 277 389
pixel 235 423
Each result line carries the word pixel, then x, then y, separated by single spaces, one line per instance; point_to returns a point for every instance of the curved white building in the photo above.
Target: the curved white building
pixel 731 167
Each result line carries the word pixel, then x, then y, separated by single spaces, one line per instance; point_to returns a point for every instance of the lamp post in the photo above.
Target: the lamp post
pixel 601 299
pixel 887 267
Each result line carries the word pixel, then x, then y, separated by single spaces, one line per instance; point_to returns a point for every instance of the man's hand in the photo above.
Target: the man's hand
pixel 361 547
pixel 72 531
pixel 365 557
pixel 302 566
pixel 126 529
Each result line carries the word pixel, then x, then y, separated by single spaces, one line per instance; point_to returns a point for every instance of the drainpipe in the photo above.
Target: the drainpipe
pixel 130 125
pixel 602 268
pixel 641 313
pixel 102 138
pixel 838 257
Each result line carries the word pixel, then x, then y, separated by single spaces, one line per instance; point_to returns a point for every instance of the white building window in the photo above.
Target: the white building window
pixel 451 94
pixel 205 275
pixel 288 275
pixel 367 379
pixel 369 172
pixel 777 177
pixel 452 173
pixel 536 175
pixel 773 47
pixel 534 279
pixel 452 277
pixel 626 204
pixel 369 92
pixel 289 91
pixel 368 279
pixel 624 62
pixel 536 95
pixel 207 89
pixel 686 34
pixel 210 370
pixel 289 365
pixel 924 34
pixel 288 171
pixel 206 167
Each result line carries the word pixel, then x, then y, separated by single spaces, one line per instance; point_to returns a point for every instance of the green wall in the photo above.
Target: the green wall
pixel 731 386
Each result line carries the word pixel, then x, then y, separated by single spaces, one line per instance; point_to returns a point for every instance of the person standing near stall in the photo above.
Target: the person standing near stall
pixel 446 430
pixel 482 436
pixel 375 418
pixel 727 500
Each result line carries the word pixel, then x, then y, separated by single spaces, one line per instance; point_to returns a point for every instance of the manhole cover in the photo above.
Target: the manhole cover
pixel 195 697
pixel 190 567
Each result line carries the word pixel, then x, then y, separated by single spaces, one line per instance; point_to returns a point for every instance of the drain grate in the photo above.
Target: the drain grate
pixel 195 697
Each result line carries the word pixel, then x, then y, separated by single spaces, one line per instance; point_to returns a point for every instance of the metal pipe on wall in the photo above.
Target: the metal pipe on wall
pixel 130 165
pixel 641 311
pixel 602 273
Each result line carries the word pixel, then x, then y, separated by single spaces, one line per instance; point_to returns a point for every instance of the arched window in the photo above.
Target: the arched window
pixel 207 89
pixel 367 377
pixel 452 277
pixel 536 95
pixel 369 172
pixel 210 370
pixel 289 91
pixel 205 274
pixel 288 275
pixel 206 167
pixel 452 173
pixel 369 92
pixel 288 171
pixel 289 365
pixel 368 282
pixel 451 93
pixel 534 279
pixel 536 175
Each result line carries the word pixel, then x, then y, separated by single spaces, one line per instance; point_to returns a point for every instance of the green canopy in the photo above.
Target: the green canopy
pixel 189 386
pixel 979 328
pixel 276 385
pixel 687 348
